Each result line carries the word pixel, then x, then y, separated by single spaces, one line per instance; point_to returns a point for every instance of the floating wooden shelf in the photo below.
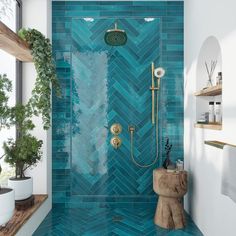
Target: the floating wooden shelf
pixel 218 144
pixel 11 43
pixel 212 91
pixel 209 126
pixel 20 217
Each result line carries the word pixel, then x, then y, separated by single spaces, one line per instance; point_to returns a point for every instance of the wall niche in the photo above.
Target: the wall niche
pixel 209 52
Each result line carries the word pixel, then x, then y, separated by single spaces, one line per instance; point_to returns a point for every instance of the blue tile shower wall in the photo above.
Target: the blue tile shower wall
pixel 102 85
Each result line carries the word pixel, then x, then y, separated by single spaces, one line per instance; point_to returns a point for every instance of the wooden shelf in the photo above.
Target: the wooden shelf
pixel 212 91
pixel 20 217
pixel 11 43
pixel 217 144
pixel 209 126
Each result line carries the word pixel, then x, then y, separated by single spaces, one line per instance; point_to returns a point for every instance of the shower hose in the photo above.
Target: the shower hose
pixel 132 142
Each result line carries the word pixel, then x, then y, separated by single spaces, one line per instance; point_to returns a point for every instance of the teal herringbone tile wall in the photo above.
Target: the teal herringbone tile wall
pixel 102 85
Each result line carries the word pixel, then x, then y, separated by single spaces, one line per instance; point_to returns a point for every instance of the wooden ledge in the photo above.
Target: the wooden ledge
pixel 20 217
pixel 217 144
pixel 211 91
pixel 209 126
pixel 11 43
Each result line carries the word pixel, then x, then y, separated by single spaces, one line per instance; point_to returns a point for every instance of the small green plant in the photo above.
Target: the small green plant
pixel 41 50
pixel 22 153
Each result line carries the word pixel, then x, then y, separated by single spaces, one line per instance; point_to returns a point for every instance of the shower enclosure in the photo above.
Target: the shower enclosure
pixel 104 85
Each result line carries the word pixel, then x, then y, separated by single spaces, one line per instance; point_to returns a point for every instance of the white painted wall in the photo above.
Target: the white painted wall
pixel 37 14
pixel 215 214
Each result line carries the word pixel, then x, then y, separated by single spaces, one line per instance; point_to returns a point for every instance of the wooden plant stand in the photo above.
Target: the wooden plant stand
pixel 25 204
pixel 170 187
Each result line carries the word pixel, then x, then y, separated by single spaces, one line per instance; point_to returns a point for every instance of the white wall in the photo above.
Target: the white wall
pixel 214 214
pixel 37 14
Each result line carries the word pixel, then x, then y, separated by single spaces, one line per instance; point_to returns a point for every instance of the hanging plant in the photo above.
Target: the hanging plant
pixel 41 50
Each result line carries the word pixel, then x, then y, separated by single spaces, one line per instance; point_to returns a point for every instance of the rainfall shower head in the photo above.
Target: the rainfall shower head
pixel 115 37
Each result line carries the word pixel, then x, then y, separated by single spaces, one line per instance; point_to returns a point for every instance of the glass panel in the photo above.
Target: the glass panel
pixel 110 84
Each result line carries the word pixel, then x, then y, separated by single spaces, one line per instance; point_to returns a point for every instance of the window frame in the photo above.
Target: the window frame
pixel 18 63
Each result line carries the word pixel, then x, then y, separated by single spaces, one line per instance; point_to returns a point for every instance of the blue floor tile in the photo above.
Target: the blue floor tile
pixel 107 222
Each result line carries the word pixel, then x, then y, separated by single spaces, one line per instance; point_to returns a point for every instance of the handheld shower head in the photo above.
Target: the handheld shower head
pixel 159 72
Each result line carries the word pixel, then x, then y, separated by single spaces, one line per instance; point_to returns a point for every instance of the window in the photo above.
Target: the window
pixel 10 15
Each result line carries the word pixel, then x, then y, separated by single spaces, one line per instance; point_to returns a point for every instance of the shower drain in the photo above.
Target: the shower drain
pixel 117 218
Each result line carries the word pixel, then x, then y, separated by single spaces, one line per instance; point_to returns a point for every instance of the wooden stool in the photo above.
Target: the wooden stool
pixel 171 187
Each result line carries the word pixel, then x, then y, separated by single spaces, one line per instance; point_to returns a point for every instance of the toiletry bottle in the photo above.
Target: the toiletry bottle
pixel 219 78
pixel 218 115
pixel 211 112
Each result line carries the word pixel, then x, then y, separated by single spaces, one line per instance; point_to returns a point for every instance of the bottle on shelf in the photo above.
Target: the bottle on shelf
pixel 218 115
pixel 211 112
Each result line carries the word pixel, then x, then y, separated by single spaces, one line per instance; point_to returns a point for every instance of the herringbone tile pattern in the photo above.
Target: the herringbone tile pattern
pixel 89 105
pixel 111 85
pixel 108 222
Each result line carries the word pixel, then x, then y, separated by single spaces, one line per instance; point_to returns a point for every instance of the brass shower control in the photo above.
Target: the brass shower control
pixel 115 140
pixel 116 129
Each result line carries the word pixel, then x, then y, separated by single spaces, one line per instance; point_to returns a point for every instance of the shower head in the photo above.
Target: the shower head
pixel 159 72
pixel 115 37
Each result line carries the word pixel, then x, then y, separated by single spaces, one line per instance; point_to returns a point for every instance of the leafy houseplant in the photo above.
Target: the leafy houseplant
pixel 168 148
pixel 41 51
pixel 22 153
pixel 7 201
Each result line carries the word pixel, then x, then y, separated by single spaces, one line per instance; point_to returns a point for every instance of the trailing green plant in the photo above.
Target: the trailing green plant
pixel 41 50
pixel 22 153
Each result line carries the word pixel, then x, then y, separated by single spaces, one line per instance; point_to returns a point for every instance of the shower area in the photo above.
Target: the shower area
pixel 107 126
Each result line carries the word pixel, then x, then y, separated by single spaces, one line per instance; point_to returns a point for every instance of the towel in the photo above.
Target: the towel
pixel 228 187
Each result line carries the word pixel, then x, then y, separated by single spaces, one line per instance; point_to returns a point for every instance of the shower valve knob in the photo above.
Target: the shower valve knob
pixel 116 142
pixel 116 129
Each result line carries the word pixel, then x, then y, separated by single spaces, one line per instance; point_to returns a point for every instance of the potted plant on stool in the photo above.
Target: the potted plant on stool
pixel 7 201
pixel 22 153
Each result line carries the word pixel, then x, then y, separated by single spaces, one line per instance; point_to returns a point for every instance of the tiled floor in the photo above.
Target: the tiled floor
pixel 107 222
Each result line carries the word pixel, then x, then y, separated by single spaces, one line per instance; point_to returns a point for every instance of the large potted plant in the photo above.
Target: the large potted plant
pixel 7 202
pixel 22 153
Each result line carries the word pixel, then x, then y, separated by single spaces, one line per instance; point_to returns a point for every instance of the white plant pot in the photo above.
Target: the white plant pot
pixel 23 187
pixel 7 206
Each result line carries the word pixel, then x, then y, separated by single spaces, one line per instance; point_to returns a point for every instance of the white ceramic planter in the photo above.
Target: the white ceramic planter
pixel 7 206
pixel 23 188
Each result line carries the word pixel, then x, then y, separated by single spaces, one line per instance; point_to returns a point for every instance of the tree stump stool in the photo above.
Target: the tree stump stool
pixel 171 187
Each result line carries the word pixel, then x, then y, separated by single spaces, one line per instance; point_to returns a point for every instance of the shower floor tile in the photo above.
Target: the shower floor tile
pixel 107 222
